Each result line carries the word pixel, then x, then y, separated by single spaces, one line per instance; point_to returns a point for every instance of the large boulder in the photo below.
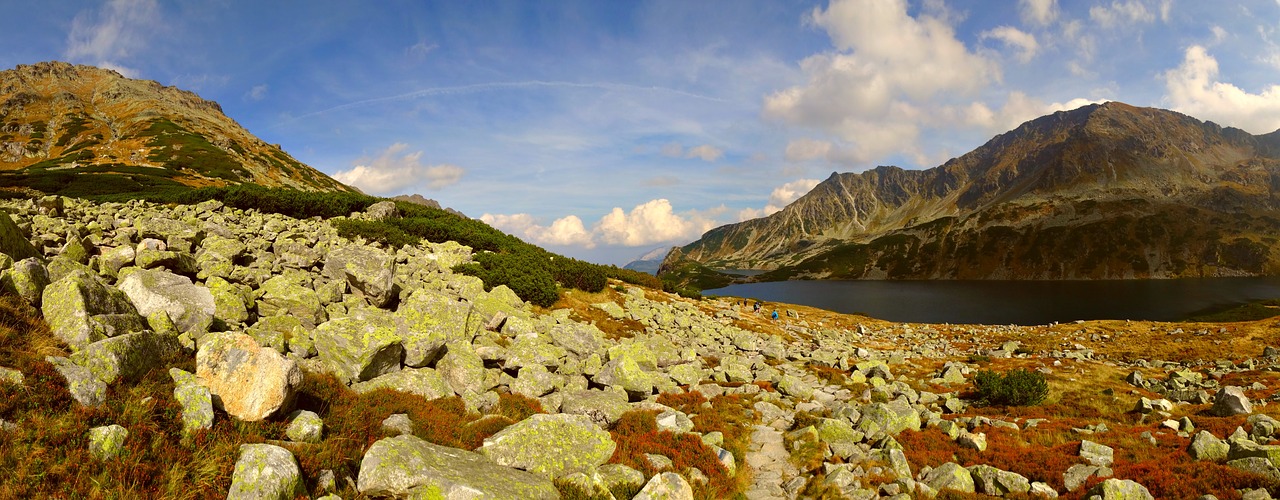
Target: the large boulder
pixel 128 356
pixel 602 407
pixel 551 445
pixel 432 320
pixel 361 346
pixel 218 255
pixel 1206 446
pixel 888 418
pixel 666 486
pixel 189 305
pixel 74 305
pixel 248 381
pixel 406 465
pixel 368 270
pixel 84 387
pixel 992 481
pixel 424 382
pixel 1120 489
pixel 284 295
pixel 1230 401
pixel 27 279
pixel 265 472
pixel 463 370
pixel 12 242
pixel 950 476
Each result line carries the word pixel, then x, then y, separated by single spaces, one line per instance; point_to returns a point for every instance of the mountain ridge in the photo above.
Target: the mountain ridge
pixel 60 121
pixel 1071 169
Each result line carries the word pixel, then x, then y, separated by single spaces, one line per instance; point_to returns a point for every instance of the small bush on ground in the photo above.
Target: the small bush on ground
pixel 1018 387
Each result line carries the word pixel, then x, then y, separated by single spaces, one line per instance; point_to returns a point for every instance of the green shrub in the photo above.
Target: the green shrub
pixel 1019 387
pixel 382 232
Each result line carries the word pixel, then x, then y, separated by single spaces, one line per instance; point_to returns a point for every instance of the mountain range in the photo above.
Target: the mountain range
pixel 1106 191
pixel 80 130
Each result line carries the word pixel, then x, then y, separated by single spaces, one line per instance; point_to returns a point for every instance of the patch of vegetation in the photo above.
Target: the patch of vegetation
pixel 1017 387
pixel 636 434
pixel 179 148
pixel 74 126
pixel 1252 311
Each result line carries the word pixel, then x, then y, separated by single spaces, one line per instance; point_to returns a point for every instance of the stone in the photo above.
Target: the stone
pixel 10 376
pixel 582 340
pixel 84 387
pixel 550 445
pixel 1230 401
pixel 195 399
pixel 625 372
pixel 602 407
pixel 463 370
pixel 113 260
pixel 1042 490
pixel 534 381
pixel 424 382
pixel 666 486
pixel 305 427
pixel 106 442
pixel 356 348
pixel 128 356
pixel 1120 489
pixel 618 478
pixel 973 440
pixel 1096 454
pixel 1206 446
pixel 431 321
pixel 992 481
pixel 1077 474
pixel 888 418
pixel 229 304
pixel 397 424
pixel 369 270
pixel 949 476
pixel 246 380
pixel 12 241
pixel 265 472
pixel 283 295
pixel 1256 465
pixel 406 465
pixel 75 249
pixel 27 279
pixel 71 304
pixel 674 421
pixel 383 210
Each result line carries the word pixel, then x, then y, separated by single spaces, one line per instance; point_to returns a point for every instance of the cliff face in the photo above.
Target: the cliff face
pixel 1104 191
pixel 62 124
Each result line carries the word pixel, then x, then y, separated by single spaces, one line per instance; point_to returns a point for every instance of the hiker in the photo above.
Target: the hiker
pixel 757 307
pixel 775 314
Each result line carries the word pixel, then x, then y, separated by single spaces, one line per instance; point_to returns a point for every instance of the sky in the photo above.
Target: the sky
pixel 605 129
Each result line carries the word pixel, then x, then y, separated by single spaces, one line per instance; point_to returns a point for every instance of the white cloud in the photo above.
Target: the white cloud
pixel 1017 109
pixel 420 50
pixel 785 194
pixel 673 149
pixel 876 91
pixel 1219 34
pixel 1125 13
pixel 652 222
pixel 705 152
pixel 116 32
pixel 394 172
pixel 1194 88
pixel 258 92
pixel 1038 12
pixel 1025 43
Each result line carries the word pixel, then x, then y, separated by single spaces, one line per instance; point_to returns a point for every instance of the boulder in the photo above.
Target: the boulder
pixel 229 304
pixel 27 279
pixel 424 382
pixel 432 320
pixel 282 332
pixel 359 347
pixel 992 481
pixel 265 472
pixel 550 445
pixel 128 356
pixel 217 256
pixel 72 304
pixel 284 295
pixel 1120 489
pixel 534 381
pixel 582 340
pixel 666 486
pixel 406 465
pixel 383 210
pixel 602 407
pixel 463 370
pixel 84 387
pixel 618 478
pixel 107 441
pixel 1096 454
pixel 1078 474
pixel 1206 446
pixel 950 476
pixel 1230 401
pixel 305 427
pixel 12 241
pixel 888 418
pixel 246 380
pixel 195 399
pixel 369 270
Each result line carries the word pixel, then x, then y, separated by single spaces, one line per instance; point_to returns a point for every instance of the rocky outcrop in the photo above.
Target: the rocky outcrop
pixel 404 466
pixel 551 445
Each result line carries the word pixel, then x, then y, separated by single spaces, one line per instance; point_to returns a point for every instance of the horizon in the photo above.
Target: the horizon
pixel 605 130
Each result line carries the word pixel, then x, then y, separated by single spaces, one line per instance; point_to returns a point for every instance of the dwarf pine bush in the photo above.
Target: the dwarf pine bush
pixel 1018 387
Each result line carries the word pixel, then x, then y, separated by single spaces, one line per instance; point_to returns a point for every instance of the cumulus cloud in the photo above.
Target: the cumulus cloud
pixel 116 32
pixel 785 194
pixel 1018 108
pixel 705 152
pixel 1021 41
pixel 394 171
pixel 649 223
pixel 258 92
pixel 1194 88
pixel 1038 12
pixel 889 70
pixel 1124 13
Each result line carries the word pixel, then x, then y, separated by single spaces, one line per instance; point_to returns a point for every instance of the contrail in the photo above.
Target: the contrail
pixel 485 87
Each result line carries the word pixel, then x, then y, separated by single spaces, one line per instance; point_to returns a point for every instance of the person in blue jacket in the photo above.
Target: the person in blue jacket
pixel 775 314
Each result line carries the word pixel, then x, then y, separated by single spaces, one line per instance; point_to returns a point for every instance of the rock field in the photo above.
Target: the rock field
pixel 835 402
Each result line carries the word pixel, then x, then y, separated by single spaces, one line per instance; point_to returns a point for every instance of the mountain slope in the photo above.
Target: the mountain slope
pixel 1104 191
pixel 59 122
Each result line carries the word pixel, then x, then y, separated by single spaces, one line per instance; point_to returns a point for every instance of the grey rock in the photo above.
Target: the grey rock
pixel 106 442
pixel 1076 475
pixel 431 321
pixel 949 476
pixel 618 478
pixel 1096 454
pixel 383 210
pixel 84 387
pixel 1120 489
pixel 424 382
pixel 666 486
pixel 71 303
pixel 992 481
pixel 397 424
pixel 128 356
pixel 195 399
pixel 1230 401
pixel 359 348
pixel 12 241
pixel 27 279
pixel 1206 446
pixel 284 295
pixel 305 427
pixel 369 270
pixel 602 407
pixel 409 466
pixel 265 471
pixel 551 445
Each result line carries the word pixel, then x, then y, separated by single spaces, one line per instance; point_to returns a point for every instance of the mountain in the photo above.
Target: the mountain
pixel 649 262
pixel 86 130
pixel 1103 191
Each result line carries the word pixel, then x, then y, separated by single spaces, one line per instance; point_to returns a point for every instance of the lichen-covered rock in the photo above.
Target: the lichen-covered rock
pixel 626 371
pixel 107 441
pixel 406 465
pixel 113 260
pixel 666 486
pixel 463 370
pixel 229 304
pixel 888 418
pixel 217 256
pixel 284 295
pixel 582 340
pixel 305 427
pixel 1078 474
pixel 195 399
pixel 602 407
pixel 360 347
pixel 424 382
pixel 551 445
pixel 949 476
pixel 12 242
pixel 1206 446
pixel 1230 401
pixel 128 356
pixel 432 320
pixel 278 332
pixel 992 481
pixel 27 279
pixel 534 351
pixel 70 304
pixel 10 376
pixel 84 387
pixel 618 478
pixel 1120 489
pixel 247 381
pixel 265 472
pixel 368 270
pixel 534 381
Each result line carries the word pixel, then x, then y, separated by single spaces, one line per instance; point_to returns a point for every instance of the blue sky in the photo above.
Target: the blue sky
pixel 605 129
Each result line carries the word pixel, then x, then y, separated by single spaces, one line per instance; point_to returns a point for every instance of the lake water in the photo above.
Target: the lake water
pixel 1014 302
